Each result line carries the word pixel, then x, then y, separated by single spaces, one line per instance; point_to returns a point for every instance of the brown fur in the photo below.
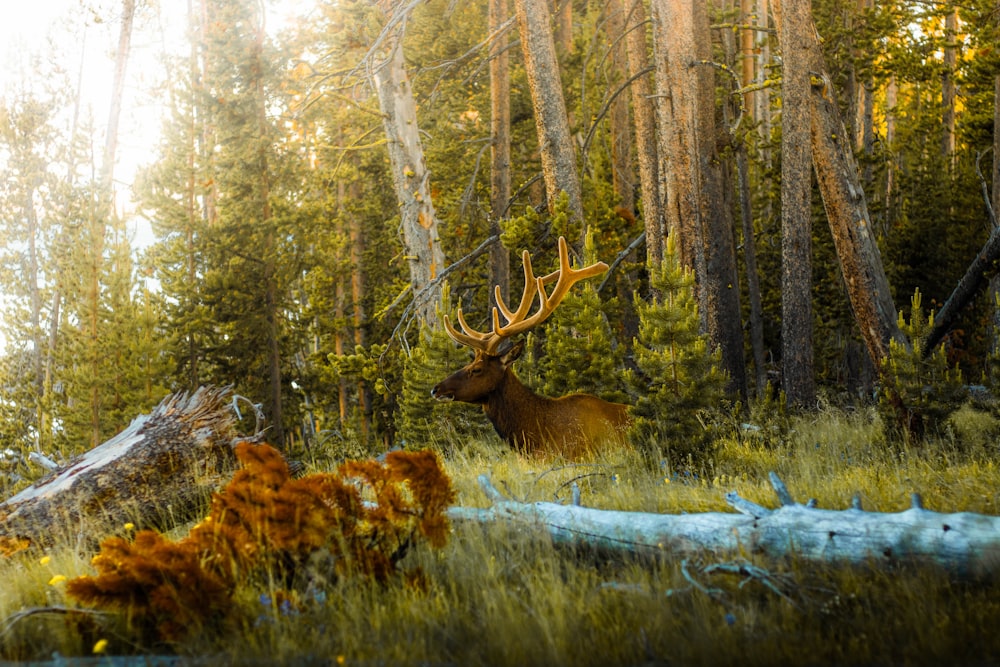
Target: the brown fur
pixel 571 426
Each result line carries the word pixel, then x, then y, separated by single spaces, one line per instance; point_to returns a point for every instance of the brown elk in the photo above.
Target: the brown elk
pixel 572 425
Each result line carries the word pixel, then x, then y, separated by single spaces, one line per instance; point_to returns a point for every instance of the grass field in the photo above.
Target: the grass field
pixel 504 596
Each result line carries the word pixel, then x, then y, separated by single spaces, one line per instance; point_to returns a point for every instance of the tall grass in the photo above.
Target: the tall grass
pixel 503 595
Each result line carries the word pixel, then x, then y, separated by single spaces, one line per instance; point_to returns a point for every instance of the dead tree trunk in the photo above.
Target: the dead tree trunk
pixel 636 45
pixel 847 209
pixel 418 219
pixel 551 121
pixel 797 369
pixel 154 473
pixel 965 544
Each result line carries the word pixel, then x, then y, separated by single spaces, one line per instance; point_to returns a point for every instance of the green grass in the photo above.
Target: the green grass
pixel 503 596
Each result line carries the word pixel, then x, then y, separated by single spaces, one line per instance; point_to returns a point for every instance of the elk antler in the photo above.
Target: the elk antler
pixel 518 321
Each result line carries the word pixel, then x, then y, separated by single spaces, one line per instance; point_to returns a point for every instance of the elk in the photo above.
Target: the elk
pixel 573 425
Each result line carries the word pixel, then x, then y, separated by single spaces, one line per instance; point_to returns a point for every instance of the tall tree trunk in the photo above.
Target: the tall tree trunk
pixel 948 87
pixel 866 111
pixel 891 90
pixel 748 77
pixel 995 281
pixel 500 146
pixel 753 276
pixel 418 218
pixel 103 209
pixel 796 207
pixel 117 91
pixel 35 291
pixel 996 127
pixel 552 123
pixel 357 240
pixel 698 211
pixel 340 335
pixel 637 46
pixel 762 97
pixel 847 210
pixel 193 211
pixel 622 168
pixel 673 51
pixel 272 310
pixel 562 11
pixel 747 57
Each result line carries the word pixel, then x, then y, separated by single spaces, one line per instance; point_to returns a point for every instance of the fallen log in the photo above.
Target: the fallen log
pixel 964 544
pixel 153 474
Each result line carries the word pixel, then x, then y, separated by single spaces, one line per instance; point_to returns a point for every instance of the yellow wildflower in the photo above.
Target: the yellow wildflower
pixel 58 579
pixel 101 646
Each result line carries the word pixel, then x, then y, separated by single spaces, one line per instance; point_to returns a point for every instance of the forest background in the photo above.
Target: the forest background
pixel 300 259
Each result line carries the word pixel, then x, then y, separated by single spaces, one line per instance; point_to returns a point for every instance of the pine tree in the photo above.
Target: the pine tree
pixel 422 421
pixel 224 197
pixel 918 393
pixel 580 353
pixel 677 383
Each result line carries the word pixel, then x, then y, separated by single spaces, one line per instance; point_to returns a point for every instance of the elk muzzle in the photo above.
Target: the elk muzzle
pixel 442 393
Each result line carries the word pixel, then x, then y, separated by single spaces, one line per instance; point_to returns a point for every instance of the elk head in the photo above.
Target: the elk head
pixel 571 425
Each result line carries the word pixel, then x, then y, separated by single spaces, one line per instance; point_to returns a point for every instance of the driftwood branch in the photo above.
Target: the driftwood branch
pixel 965 544
pixel 154 473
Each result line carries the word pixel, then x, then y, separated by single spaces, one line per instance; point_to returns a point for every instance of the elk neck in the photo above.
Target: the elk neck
pixel 514 410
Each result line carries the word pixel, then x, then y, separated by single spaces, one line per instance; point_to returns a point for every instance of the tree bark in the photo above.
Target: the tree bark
pixel 103 209
pixel 622 166
pixel 762 97
pixel 272 310
pixel 964 544
pixel 158 470
pixel 673 50
pixel 996 127
pixel 636 44
pixel 847 210
pixel 948 87
pixel 864 106
pixel 552 123
pixel 753 275
pixel 500 147
pixel 891 92
pixel 747 78
pixel 796 207
pixel 995 282
pixel 418 218
pixel 697 209
pixel 562 11
pixel 117 91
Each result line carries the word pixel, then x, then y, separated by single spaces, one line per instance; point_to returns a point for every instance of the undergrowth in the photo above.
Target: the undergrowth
pixel 504 596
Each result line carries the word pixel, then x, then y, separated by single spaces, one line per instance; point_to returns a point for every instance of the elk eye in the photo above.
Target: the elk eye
pixel 475 371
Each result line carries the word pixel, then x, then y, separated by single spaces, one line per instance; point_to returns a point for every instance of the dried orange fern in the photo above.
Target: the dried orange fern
pixel 365 515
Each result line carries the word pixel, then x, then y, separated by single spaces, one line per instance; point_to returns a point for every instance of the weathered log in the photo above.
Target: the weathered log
pixel 964 544
pixel 153 473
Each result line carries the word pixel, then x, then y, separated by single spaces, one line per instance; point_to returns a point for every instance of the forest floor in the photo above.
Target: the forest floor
pixel 498 595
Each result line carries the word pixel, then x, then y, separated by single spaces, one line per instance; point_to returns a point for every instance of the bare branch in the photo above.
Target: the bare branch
pixel 629 249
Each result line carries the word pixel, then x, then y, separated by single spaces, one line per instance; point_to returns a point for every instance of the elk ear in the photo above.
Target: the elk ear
pixel 511 354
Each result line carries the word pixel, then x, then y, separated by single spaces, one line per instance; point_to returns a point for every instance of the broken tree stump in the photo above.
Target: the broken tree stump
pixel 157 471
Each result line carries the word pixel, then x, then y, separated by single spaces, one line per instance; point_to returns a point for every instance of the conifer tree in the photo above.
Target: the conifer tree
pixel 422 421
pixel 224 199
pixel 677 383
pixel 918 392
pixel 580 352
